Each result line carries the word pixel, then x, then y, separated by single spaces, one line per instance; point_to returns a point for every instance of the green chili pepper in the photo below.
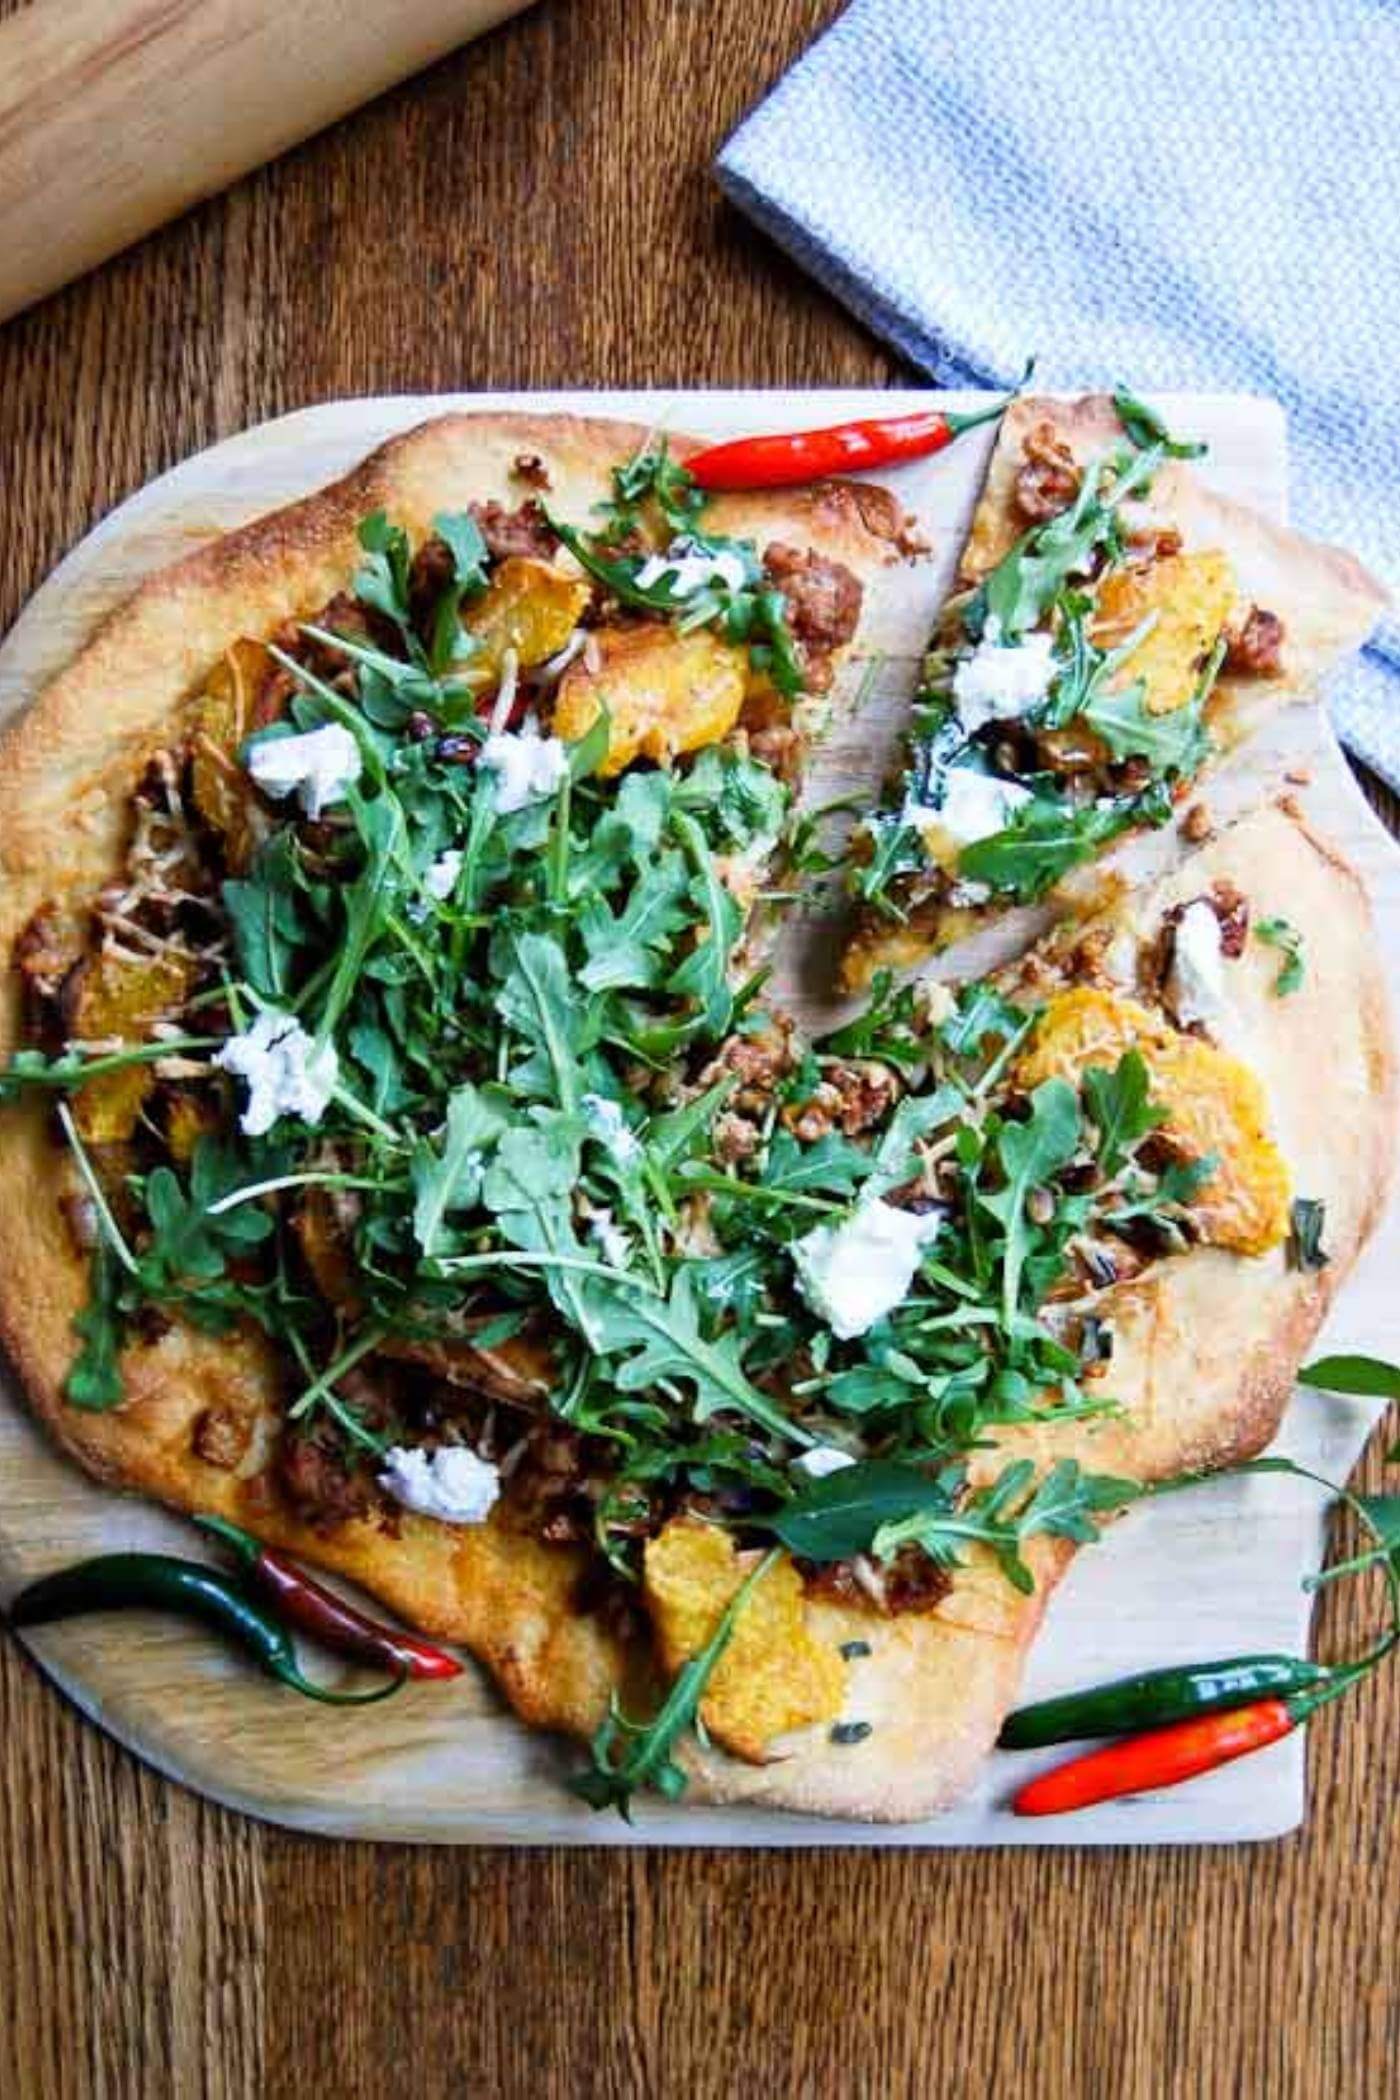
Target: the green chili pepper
pixel 159 1582
pixel 1153 1698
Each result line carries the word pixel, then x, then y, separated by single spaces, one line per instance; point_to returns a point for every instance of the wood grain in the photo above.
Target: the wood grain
pixel 104 108
pixel 538 212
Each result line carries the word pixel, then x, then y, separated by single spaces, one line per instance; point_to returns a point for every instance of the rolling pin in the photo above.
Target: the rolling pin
pixel 117 114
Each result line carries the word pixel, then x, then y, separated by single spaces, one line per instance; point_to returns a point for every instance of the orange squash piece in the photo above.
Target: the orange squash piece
pixel 774 1675
pixel 1214 1103
pixel 665 693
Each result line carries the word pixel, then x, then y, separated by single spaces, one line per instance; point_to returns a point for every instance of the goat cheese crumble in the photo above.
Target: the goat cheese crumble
pixel 613 1243
pixel 607 1123
pixel 285 1072
pixel 528 767
pixel 821 1460
pixel 688 570
pixel 441 878
pixel 974 806
pixel 1196 983
pixel 317 767
pixel 853 1273
pixel 451 1484
pixel 1000 681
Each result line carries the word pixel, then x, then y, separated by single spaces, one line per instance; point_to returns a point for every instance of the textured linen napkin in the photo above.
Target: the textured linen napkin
pixel 1203 194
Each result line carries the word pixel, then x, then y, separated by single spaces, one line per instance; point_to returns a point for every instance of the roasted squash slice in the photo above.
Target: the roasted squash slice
pixel 665 693
pixel 775 1675
pixel 529 607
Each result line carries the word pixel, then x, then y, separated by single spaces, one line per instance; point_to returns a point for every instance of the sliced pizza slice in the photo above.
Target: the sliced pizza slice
pixel 1114 626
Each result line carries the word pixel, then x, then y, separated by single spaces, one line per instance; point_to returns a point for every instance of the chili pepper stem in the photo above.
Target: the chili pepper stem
pixel 234 1536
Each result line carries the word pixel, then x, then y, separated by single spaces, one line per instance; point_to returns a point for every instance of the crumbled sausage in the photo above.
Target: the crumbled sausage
pixel 1231 908
pixel 221 1437
pixel 851 1097
pixel 1196 824
pixel 1256 649
pixel 910 1582
pixel 734 1138
pixel 1047 480
pixel 823 597
pixel 758 1061
pixel 45 951
pixel 531 469
pixel 778 747
pixel 317 1479
pixel 525 530
pixel 342 615
pixel 431 572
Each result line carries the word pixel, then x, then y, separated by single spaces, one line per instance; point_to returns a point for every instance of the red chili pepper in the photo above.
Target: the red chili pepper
pixel 778 462
pixel 1166 1756
pixel 313 1609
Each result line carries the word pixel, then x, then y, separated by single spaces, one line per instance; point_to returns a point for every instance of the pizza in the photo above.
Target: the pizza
pixel 400 1159
pixel 1113 629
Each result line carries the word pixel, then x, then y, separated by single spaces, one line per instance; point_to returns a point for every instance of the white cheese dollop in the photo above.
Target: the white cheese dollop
pixel 821 1460
pixel 451 1484
pixel 441 878
pixel 285 1073
pixel 1000 681
pixel 689 569
pixel 975 806
pixel 317 767
pixel 607 1123
pixel 613 1243
pixel 854 1273
pixel 1196 984
pixel 528 767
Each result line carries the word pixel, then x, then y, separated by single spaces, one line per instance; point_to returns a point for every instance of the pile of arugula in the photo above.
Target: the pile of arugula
pixel 522 1054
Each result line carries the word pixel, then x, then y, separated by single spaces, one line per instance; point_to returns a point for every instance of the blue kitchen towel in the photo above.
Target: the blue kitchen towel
pixel 1197 194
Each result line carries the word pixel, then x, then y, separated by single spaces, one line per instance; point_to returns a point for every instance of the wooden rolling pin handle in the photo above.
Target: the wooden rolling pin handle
pixel 117 114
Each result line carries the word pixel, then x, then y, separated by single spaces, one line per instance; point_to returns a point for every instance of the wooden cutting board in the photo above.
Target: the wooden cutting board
pixel 1213 1572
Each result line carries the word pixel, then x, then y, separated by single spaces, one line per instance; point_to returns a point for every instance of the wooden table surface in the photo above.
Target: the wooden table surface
pixel 539 212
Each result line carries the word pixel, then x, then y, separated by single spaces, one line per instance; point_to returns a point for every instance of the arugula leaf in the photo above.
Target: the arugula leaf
pixel 1008 1512
pixel 267 918
pixel 705 973
pixel 535 999
pixel 94 1380
pixel 1031 1154
pixel 1367 1377
pixel 646 1746
pixel 1145 427
pixel 831 1165
pixel 382 582
pixel 916 1117
pixel 1161 1201
pixel 841 1515
pixel 367 903
pixel 628 948
pixel 1175 742
pixel 1045 839
pixel 1278 933
pixel 1120 1109
pixel 980 1012
pixel 450 1179
pixel 670 1344
pixel 884 1027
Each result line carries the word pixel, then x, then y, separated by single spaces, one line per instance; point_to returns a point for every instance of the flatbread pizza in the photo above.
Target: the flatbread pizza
pixel 1114 627
pixel 398 1157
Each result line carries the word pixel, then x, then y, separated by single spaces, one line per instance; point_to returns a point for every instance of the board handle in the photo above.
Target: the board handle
pixel 115 115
